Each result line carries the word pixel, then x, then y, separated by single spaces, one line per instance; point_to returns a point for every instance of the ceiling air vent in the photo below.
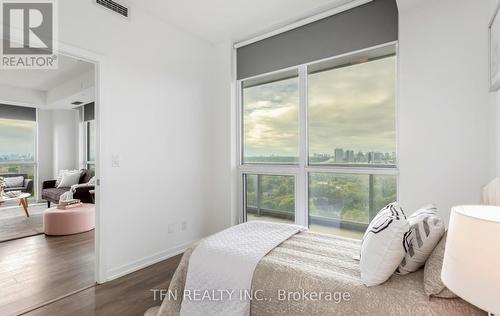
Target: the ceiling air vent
pixel 77 102
pixel 114 6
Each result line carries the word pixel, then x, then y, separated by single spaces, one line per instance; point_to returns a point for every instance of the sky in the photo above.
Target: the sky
pixel 17 137
pixel 351 107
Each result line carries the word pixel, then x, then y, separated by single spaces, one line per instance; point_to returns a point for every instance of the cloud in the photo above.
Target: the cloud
pixel 351 107
pixel 271 119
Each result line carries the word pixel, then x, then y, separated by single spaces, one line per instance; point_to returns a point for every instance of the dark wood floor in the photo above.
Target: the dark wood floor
pixel 128 295
pixel 38 269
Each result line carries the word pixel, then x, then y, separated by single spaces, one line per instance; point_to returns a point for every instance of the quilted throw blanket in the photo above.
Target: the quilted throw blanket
pixel 221 268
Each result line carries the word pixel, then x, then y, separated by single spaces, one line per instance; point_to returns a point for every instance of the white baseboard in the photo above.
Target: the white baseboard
pixel 146 262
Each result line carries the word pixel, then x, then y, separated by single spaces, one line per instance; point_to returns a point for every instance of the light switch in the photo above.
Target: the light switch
pixel 115 161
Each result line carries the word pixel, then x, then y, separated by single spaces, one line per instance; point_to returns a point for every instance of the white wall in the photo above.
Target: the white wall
pixel 446 144
pixel 45 147
pixel 222 180
pixel 155 105
pixel 64 140
pixel 57 143
pixel 495 103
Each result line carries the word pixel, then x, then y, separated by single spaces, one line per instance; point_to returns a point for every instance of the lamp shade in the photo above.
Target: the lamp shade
pixel 471 264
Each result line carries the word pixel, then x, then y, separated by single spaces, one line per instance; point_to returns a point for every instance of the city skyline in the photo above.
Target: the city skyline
pixel 339 156
pixel 16 157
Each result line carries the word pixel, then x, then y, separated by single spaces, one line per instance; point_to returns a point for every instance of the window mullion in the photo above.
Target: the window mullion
pixel 301 204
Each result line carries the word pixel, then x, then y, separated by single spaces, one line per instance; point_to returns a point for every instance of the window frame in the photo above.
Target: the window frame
pixel 87 163
pixel 302 170
pixel 34 163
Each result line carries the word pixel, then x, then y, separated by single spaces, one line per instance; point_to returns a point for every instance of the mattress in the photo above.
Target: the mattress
pixel 317 274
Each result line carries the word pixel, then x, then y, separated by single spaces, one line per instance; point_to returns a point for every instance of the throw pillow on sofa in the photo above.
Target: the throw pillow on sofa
pixel 426 229
pixel 68 179
pixel 14 182
pixel 61 173
pixel 382 245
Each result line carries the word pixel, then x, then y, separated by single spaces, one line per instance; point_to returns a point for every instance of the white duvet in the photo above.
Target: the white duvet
pixel 221 268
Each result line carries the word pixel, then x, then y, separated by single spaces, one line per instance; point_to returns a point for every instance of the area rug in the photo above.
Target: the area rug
pixel 19 226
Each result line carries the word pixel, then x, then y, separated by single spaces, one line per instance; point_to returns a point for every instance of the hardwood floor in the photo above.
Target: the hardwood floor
pixel 42 275
pixel 37 269
pixel 14 224
pixel 128 295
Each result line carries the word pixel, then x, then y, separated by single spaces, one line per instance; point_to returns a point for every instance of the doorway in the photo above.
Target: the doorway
pixel 44 148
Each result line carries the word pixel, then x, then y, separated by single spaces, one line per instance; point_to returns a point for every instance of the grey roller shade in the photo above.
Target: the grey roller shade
pixel 365 26
pixel 13 112
pixel 88 112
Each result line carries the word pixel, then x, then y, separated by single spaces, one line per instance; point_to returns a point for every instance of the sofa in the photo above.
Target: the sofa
pixel 27 183
pixel 52 194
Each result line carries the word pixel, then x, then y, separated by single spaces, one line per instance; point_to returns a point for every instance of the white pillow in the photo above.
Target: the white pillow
pixel 68 179
pixel 14 182
pixel 92 181
pixel 62 172
pixel 382 246
pixel 426 230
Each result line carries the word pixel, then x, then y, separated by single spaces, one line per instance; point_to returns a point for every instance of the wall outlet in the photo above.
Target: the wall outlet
pixel 184 226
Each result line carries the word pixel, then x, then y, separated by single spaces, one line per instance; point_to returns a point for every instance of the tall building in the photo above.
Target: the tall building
pixel 370 157
pixel 361 157
pixel 349 156
pixel 378 157
pixel 339 155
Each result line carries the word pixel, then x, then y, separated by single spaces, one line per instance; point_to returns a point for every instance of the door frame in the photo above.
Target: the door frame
pixel 96 59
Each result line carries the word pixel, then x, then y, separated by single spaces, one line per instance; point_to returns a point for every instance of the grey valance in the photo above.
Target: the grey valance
pixel 365 26
pixel 88 112
pixel 14 112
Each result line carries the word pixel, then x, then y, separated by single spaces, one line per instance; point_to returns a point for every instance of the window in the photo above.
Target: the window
pixel 17 147
pixel 271 119
pixel 91 144
pixel 87 117
pixel 270 198
pixel 345 203
pixel 352 114
pixel 319 142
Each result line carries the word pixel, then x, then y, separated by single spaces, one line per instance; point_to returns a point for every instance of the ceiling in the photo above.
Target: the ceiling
pixel 45 79
pixel 222 20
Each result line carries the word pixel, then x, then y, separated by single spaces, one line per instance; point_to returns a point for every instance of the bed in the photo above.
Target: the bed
pixel 310 262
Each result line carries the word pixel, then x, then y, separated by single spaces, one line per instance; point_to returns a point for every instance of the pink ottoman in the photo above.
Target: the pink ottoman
pixel 71 221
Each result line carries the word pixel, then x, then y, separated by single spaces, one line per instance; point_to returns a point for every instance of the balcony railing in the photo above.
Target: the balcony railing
pixel 258 209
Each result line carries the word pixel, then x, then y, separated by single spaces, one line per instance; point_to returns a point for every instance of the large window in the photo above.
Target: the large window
pixel 89 135
pixel 270 197
pixel 271 119
pixel 17 147
pixel 345 203
pixel 90 144
pixel 319 143
pixel 352 114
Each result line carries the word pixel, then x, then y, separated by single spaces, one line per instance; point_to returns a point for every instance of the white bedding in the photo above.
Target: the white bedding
pixel 221 268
